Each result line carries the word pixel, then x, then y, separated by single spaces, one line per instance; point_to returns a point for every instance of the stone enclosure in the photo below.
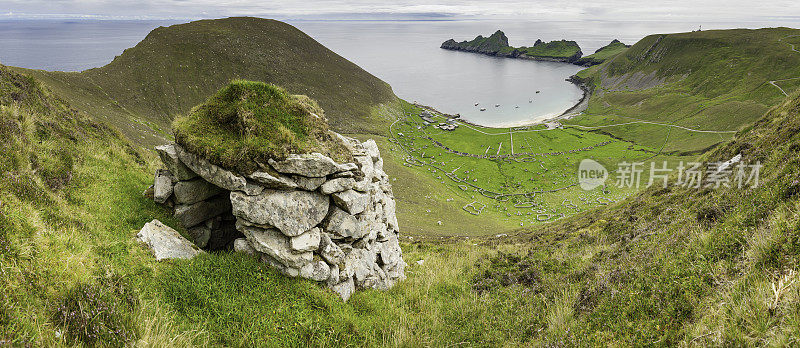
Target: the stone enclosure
pixel 306 216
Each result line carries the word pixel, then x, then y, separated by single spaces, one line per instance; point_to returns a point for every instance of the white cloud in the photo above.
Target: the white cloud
pixel 536 9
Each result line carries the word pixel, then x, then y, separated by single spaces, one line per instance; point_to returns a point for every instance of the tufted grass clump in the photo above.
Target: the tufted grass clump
pixel 248 122
pixel 98 313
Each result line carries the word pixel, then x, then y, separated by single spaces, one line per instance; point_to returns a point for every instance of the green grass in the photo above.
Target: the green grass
pixel 710 80
pixel 680 265
pixel 250 122
pixel 537 184
pixel 74 275
pixel 175 68
pixel 604 53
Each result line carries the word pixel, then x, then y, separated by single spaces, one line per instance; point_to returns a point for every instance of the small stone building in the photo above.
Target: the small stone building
pixel 306 215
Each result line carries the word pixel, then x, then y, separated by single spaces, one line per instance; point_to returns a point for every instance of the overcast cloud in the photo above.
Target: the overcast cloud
pixel 723 10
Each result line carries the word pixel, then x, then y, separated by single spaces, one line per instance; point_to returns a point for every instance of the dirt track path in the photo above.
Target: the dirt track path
pixel 793 48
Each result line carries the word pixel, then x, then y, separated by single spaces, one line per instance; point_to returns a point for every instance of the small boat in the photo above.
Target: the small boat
pixel 497 105
pixel 530 101
pixel 483 109
pixel 476 104
pixel 516 107
pixel 538 91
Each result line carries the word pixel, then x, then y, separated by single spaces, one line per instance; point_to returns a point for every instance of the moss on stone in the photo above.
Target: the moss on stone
pixel 245 123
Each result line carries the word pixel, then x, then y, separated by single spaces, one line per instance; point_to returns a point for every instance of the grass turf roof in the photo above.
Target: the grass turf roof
pixel 247 122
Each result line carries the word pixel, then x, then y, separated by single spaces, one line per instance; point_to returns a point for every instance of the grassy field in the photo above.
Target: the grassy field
pixel 536 182
pixel 711 81
pixel 175 68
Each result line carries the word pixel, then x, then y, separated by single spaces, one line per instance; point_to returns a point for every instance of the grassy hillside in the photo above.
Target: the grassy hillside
pixel 711 83
pixel 72 274
pixel 603 53
pixel 672 266
pixel 681 266
pixel 175 68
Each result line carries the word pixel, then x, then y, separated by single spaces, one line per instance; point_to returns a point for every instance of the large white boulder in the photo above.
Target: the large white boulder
pixel 165 242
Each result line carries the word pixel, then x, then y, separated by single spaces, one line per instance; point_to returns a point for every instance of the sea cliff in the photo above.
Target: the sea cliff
pixel 497 45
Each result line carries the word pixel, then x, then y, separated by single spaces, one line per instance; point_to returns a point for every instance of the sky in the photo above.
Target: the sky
pixel 723 10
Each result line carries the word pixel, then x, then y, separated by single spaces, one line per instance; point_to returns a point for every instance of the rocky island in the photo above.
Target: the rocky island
pixel 497 45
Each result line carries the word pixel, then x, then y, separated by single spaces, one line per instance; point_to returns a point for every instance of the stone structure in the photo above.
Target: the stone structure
pixel 306 215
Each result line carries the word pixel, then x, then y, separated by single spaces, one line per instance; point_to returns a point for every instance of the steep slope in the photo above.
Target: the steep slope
pixel 711 83
pixel 603 53
pixel 683 266
pixel 177 67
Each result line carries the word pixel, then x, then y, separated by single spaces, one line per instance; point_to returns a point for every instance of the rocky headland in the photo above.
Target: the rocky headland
pixel 497 45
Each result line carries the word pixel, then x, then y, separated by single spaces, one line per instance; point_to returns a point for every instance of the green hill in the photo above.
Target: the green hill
pixel 603 53
pixel 497 45
pixel 684 266
pixel 690 91
pixel 175 68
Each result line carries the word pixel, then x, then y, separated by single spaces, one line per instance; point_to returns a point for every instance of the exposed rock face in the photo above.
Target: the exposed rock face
pixel 215 174
pixel 307 216
pixel 193 191
pixel 314 165
pixel 170 158
pixel 291 211
pixel 166 242
pixel 162 186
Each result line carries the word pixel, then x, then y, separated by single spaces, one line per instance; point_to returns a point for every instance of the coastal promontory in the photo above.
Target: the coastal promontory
pixel 497 45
